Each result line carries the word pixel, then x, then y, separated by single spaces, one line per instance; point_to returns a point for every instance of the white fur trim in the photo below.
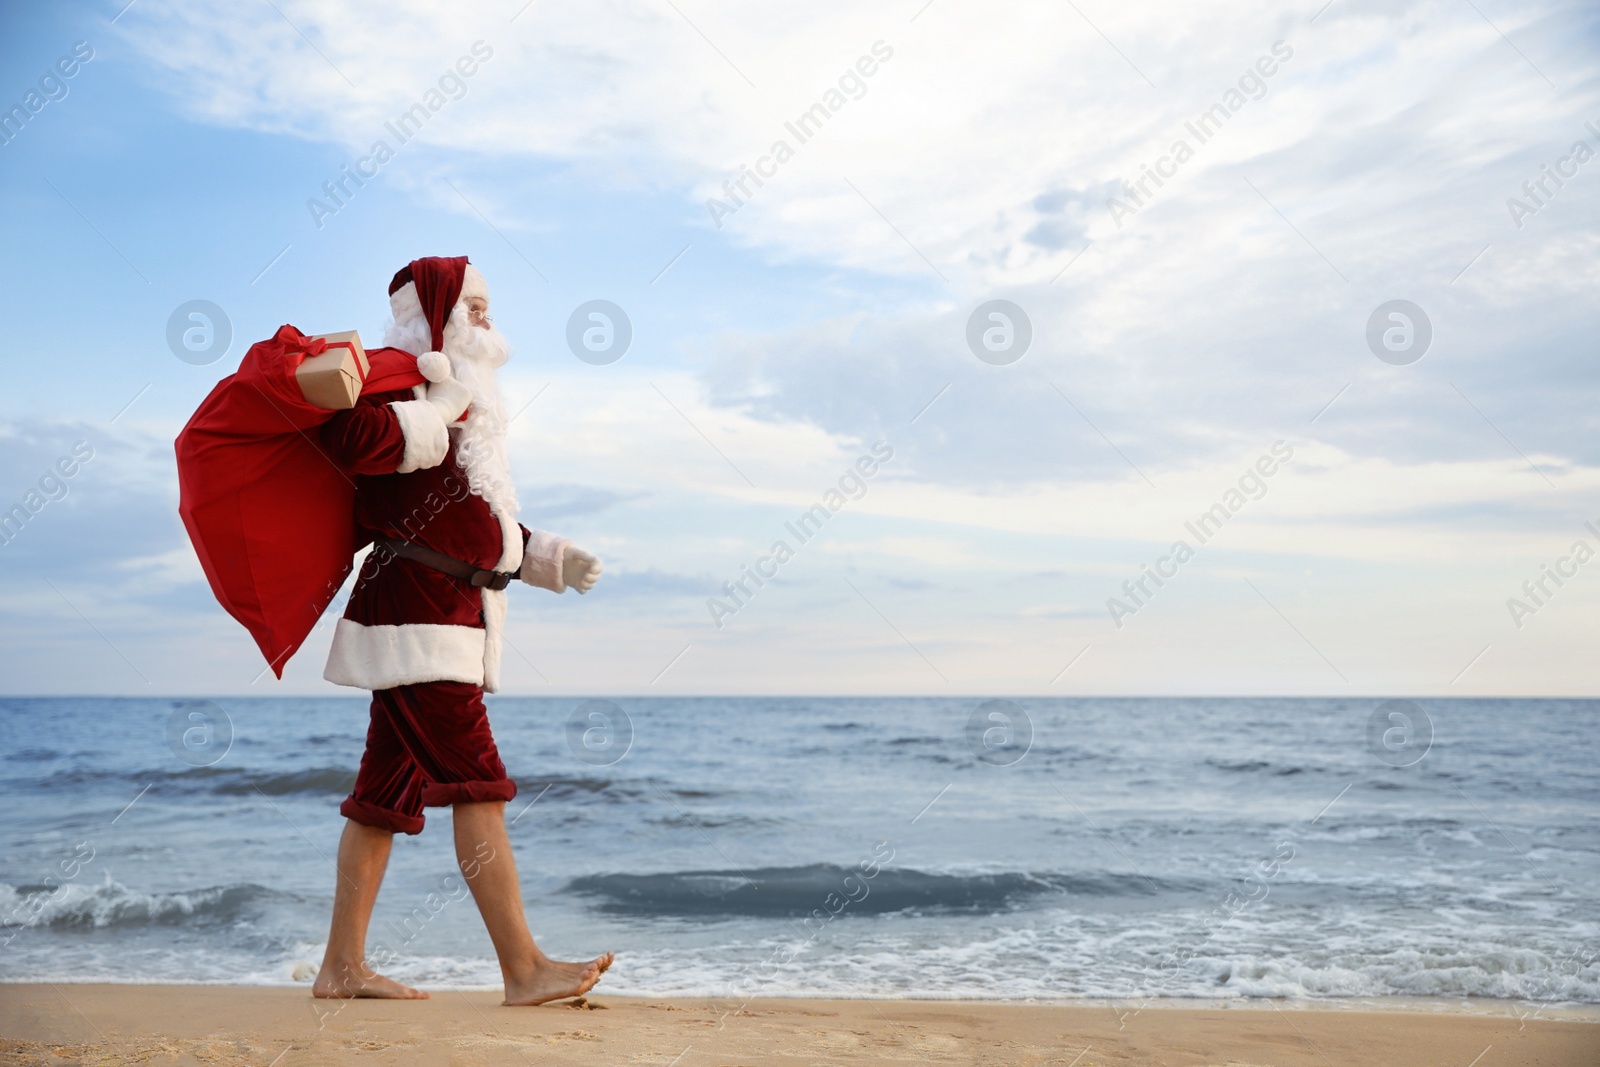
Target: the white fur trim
pixel 382 657
pixel 494 637
pixel 472 284
pixel 494 600
pixel 542 562
pixel 427 437
pixel 435 366
pixel 511 539
pixel 404 303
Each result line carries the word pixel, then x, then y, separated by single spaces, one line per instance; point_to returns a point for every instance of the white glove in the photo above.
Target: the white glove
pixel 450 398
pixel 579 569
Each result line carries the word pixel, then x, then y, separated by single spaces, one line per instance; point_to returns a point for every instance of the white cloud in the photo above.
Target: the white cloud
pixel 980 111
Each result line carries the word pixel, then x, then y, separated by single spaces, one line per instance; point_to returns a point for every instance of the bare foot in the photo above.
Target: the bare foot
pixel 554 980
pixel 342 983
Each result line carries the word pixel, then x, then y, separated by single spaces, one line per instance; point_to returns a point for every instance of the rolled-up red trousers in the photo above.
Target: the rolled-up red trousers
pixel 429 745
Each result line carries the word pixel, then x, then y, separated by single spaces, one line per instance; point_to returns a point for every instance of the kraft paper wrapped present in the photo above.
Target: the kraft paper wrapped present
pixel 331 379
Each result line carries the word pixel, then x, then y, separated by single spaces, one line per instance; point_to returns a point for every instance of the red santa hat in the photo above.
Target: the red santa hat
pixel 430 288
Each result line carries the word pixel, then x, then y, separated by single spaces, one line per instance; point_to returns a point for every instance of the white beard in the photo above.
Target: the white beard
pixel 480 441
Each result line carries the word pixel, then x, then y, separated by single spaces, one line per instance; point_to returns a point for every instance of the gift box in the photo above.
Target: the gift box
pixel 331 378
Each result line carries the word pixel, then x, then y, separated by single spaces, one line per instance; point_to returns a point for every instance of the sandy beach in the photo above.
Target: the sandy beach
pixel 215 1025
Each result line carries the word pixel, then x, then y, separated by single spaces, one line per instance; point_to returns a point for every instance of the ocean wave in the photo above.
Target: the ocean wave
pixel 1062 954
pixel 336 781
pixel 1500 973
pixel 213 781
pixel 770 892
pixel 112 904
pixel 1258 766
pixel 1071 962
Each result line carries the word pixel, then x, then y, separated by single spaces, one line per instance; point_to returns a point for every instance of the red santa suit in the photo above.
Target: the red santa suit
pixel 427 643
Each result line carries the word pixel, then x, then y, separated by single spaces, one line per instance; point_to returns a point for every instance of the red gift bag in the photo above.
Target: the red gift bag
pixel 270 514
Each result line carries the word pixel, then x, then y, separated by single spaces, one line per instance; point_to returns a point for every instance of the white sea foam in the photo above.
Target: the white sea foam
pixel 1049 954
pixel 109 903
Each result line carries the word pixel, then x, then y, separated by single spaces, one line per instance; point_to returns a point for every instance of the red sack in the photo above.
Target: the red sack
pixel 270 515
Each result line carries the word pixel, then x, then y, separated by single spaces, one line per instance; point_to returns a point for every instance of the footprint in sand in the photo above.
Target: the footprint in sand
pixel 571 1035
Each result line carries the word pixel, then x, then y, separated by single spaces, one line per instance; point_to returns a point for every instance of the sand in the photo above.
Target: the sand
pixel 215 1025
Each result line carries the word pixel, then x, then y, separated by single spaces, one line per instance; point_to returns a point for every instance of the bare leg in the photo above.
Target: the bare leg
pixel 363 857
pixel 484 853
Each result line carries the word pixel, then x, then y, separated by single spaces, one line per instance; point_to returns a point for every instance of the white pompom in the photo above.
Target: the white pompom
pixel 435 366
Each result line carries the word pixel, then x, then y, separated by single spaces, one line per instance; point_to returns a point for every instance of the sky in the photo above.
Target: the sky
pixel 1352 244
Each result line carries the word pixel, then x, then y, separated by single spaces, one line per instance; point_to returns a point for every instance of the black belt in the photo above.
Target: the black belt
pixel 473 576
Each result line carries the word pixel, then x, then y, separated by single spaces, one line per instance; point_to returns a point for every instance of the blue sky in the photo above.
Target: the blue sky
pixel 1173 346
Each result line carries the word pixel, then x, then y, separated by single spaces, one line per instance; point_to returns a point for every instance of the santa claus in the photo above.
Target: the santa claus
pixel 425 623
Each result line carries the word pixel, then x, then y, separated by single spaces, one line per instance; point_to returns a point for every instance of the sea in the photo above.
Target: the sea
pixel 1142 850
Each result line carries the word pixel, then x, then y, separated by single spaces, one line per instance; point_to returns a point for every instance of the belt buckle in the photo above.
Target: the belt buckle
pixel 490 580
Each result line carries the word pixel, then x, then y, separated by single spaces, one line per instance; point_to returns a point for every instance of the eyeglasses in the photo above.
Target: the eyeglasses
pixel 475 316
